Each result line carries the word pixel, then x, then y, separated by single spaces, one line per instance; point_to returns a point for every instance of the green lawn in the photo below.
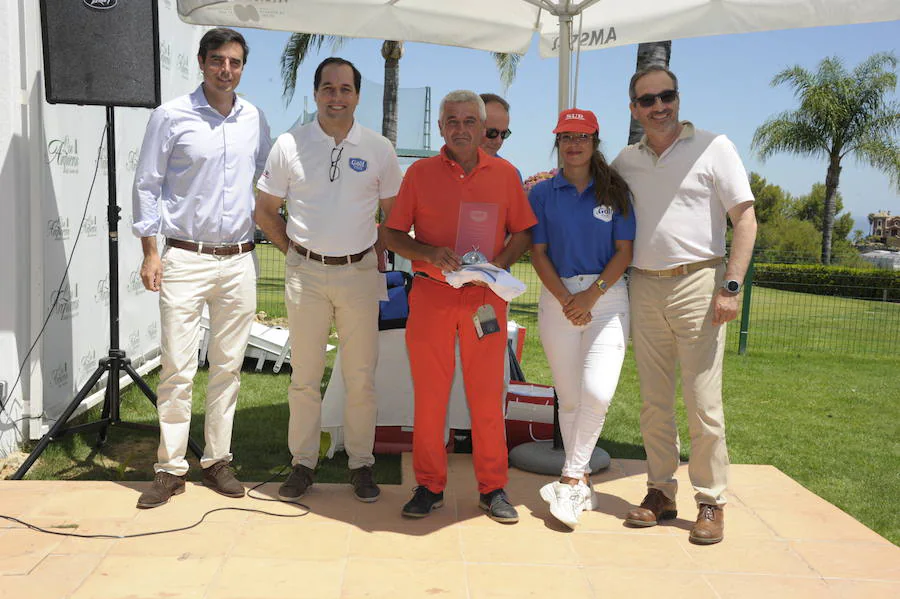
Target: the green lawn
pixel 828 419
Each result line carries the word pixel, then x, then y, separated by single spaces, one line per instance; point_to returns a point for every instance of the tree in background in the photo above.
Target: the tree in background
pixel 770 201
pixel 300 45
pixel 648 54
pixel 811 207
pixel 840 114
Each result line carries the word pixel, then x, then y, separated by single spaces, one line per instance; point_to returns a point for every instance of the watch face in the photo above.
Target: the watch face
pixel 732 286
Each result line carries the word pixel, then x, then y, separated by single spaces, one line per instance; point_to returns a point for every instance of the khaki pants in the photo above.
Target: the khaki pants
pixel 671 323
pixel 227 285
pixel 315 295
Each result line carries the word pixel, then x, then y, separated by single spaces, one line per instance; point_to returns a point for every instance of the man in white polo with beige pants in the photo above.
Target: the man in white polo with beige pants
pixel 685 182
pixel 334 173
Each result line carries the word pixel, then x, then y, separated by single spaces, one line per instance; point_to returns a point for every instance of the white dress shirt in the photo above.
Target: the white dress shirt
pixel 195 175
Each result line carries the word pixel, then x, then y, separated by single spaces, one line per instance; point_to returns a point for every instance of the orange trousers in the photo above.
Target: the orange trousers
pixel 438 314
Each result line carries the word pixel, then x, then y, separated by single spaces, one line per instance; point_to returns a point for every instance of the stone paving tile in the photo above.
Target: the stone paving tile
pixel 780 541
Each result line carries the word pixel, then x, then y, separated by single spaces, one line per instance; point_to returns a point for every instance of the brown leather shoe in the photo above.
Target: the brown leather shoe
pixel 221 479
pixel 710 526
pixel 164 486
pixel 655 507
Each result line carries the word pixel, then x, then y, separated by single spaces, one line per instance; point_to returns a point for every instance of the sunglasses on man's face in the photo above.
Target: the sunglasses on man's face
pixel 492 133
pixel 648 100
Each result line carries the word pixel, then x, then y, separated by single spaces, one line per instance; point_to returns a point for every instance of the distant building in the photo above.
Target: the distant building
pixel 883 225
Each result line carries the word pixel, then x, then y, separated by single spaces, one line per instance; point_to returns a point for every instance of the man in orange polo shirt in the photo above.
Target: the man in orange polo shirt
pixel 462 183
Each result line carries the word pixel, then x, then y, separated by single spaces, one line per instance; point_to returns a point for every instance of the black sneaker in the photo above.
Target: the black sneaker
pixel 298 482
pixel 364 487
pixel 422 502
pixel 498 507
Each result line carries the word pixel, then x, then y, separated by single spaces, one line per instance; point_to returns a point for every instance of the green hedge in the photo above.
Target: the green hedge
pixel 859 283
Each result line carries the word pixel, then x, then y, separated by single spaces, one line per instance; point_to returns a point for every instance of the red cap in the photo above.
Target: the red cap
pixel 575 120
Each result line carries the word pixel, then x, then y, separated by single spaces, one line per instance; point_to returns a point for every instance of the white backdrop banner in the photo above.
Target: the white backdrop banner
pixel 77 335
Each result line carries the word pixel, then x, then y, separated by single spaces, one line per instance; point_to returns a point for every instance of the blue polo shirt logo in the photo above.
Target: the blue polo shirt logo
pixel 358 164
pixel 603 213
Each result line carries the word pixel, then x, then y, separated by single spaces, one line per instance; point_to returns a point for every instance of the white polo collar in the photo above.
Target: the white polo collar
pixel 353 136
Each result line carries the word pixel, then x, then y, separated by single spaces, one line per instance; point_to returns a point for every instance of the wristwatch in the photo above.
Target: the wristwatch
pixel 732 287
pixel 601 285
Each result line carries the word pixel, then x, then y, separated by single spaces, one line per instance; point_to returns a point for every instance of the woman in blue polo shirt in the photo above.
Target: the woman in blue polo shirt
pixel 582 246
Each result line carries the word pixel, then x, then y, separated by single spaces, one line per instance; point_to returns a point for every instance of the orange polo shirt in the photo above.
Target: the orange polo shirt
pixel 434 188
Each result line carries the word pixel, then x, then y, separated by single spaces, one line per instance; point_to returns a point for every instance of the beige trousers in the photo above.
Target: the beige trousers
pixel 227 285
pixel 671 324
pixel 315 295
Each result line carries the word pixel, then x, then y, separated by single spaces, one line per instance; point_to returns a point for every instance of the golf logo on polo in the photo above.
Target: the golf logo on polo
pixel 603 213
pixel 358 164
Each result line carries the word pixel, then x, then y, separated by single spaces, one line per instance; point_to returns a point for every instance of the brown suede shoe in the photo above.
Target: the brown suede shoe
pixel 221 479
pixel 164 486
pixel 710 526
pixel 655 507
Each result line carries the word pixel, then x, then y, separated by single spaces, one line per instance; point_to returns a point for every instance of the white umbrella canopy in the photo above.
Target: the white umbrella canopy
pixel 509 25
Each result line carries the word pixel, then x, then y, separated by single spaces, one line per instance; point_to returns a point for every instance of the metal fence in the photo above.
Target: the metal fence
pixel 809 319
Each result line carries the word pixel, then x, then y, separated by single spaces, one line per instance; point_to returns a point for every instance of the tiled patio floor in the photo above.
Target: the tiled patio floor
pixel 781 541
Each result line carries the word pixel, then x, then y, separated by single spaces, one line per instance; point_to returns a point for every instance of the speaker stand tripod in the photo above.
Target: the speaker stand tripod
pixel 116 362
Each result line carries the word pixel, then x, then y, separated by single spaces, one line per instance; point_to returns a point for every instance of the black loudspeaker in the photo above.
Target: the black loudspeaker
pixel 103 52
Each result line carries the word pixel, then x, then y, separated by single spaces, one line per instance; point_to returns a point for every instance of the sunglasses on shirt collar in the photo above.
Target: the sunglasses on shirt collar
pixel 648 100
pixel 493 132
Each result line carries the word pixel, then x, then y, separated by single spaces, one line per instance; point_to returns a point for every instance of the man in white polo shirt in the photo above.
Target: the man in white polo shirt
pixel 685 181
pixel 334 173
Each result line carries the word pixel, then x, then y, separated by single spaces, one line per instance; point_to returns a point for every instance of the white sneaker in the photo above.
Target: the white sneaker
pixel 569 502
pixel 592 498
pixel 548 492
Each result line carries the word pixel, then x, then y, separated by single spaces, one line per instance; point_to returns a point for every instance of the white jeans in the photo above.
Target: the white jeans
pixel 227 285
pixel 585 362
pixel 315 295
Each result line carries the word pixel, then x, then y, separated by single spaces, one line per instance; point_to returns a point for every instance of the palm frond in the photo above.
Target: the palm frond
pixel 507 64
pixel 297 48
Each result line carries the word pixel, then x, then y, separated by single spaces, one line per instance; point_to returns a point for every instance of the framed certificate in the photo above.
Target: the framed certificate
pixel 477 229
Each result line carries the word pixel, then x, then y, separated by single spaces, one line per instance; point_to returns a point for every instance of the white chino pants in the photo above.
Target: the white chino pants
pixel 585 362
pixel 227 285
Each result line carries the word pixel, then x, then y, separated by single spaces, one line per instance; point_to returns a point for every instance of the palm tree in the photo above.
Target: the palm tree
pixel 840 114
pixel 300 45
pixel 649 54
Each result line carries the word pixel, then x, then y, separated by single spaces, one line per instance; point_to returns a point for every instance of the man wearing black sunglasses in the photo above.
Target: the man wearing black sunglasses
pixel 496 125
pixel 686 182
pixel 334 174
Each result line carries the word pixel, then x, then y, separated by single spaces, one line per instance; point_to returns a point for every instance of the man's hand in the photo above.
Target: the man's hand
pixel 151 272
pixel 444 258
pixel 725 307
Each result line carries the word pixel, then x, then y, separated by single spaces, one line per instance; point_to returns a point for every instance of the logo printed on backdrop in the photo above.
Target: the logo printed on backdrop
pixel 89 226
pixel 89 361
pixel 135 285
pixel 134 342
pixel 358 164
pixel 132 162
pixel 246 13
pixel 165 55
pixel 66 301
pixel 59 376
pixel 64 153
pixel 153 331
pixel 58 228
pixel 603 213
pixel 182 64
pixel 589 39
pixel 101 4
pixel 101 296
pixel 102 163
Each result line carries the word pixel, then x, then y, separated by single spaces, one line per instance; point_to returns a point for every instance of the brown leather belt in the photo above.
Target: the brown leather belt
pixel 329 260
pixel 214 249
pixel 684 269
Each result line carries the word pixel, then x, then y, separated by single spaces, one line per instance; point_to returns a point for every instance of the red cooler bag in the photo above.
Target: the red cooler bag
pixel 529 413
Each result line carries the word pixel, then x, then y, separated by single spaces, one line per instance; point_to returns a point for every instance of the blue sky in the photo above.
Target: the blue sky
pixel 724 83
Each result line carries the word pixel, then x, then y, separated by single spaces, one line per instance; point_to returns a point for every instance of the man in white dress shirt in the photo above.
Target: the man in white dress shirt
pixel 334 174
pixel 194 186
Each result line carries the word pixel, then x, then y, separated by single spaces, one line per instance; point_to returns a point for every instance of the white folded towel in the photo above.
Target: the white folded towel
pixel 501 282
